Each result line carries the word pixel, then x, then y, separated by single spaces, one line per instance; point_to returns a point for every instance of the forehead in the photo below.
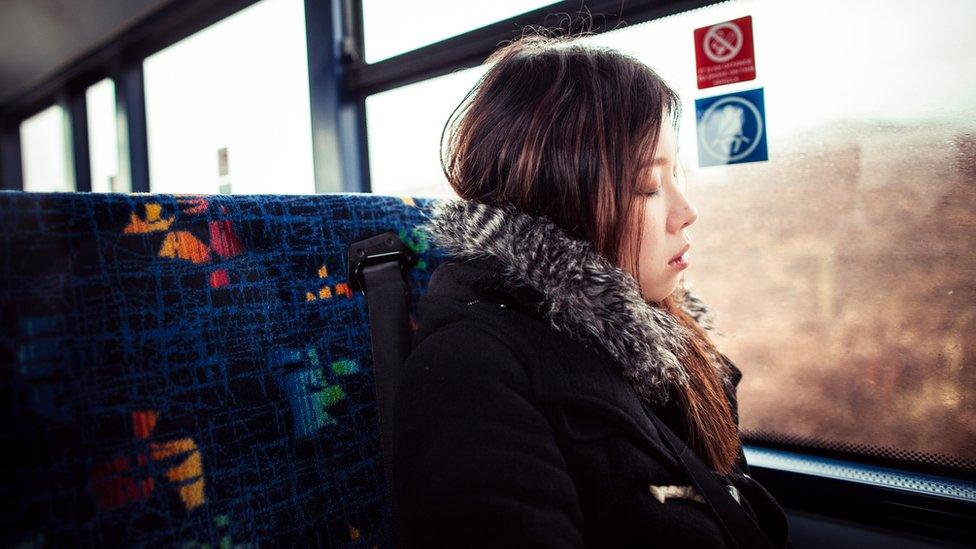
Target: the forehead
pixel 664 148
pixel 665 138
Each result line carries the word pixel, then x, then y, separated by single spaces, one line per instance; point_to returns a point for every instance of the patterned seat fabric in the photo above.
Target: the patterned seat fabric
pixel 191 370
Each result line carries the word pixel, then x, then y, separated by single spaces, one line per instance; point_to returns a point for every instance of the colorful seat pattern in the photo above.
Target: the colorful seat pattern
pixel 191 370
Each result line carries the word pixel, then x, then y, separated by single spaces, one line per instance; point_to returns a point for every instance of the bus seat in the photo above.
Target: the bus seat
pixel 192 370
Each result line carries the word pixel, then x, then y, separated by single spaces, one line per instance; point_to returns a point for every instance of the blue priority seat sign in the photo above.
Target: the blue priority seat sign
pixel 731 128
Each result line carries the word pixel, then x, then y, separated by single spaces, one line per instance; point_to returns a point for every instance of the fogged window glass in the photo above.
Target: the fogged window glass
pixel 102 139
pixel 842 268
pixel 227 109
pixel 392 28
pixel 404 129
pixel 44 152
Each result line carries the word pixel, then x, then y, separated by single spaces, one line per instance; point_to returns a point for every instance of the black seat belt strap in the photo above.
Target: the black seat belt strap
pixel 378 266
pixel 737 525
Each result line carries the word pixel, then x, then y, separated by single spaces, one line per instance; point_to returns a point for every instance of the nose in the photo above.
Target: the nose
pixel 692 214
pixel 684 213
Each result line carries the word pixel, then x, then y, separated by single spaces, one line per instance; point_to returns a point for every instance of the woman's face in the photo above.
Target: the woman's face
pixel 666 214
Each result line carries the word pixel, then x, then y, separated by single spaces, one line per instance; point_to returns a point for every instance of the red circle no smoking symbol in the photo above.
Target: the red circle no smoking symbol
pixel 723 42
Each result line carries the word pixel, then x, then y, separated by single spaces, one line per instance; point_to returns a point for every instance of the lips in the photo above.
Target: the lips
pixel 681 253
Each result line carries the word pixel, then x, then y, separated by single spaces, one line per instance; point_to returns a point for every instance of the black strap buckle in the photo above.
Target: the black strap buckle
pixel 380 248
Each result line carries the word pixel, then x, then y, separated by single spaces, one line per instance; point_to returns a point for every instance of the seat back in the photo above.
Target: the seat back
pixel 192 370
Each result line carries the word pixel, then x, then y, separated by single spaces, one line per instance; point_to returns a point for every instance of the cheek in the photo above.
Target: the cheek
pixel 652 250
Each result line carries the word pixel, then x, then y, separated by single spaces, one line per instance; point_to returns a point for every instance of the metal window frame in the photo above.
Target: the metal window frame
pixel 76 110
pixel 471 48
pixel 131 135
pixel 11 163
pixel 338 121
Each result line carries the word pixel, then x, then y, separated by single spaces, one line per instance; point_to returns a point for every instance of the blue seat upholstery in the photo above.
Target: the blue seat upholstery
pixel 192 370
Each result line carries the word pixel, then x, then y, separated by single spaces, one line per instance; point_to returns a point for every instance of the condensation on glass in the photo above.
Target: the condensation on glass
pixel 237 91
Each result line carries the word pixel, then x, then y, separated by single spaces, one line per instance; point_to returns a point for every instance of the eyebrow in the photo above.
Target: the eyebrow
pixel 656 162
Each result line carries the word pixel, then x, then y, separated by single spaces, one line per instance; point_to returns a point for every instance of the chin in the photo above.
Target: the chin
pixel 670 290
pixel 663 289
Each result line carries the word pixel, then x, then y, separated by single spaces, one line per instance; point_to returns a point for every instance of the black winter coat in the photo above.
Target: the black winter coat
pixel 510 433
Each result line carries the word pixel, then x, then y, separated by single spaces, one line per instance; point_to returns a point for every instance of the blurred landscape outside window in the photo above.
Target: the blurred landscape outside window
pixel 840 270
pixel 227 109
pixel 103 139
pixel 45 152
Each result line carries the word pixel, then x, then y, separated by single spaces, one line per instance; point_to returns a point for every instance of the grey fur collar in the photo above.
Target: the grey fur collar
pixel 585 296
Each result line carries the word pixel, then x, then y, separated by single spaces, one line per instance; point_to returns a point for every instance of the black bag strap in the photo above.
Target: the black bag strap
pixel 739 528
pixel 378 266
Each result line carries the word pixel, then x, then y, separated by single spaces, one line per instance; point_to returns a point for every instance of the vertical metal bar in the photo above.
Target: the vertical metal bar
pixel 76 108
pixel 354 146
pixel 11 163
pixel 353 124
pixel 338 122
pixel 320 36
pixel 130 104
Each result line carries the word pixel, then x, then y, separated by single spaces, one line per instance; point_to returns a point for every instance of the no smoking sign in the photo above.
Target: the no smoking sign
pixel 724 53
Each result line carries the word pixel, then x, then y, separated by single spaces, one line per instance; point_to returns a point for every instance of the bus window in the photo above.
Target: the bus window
pixel 44 151
pixel 404 129
pixel 843 264
pixel 229 112
pixel 102 138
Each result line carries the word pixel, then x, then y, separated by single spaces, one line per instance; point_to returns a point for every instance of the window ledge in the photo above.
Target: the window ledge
pixel 927 505
pixel 932 485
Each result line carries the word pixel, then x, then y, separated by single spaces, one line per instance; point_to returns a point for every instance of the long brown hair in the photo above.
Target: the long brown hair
pixel 558 128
